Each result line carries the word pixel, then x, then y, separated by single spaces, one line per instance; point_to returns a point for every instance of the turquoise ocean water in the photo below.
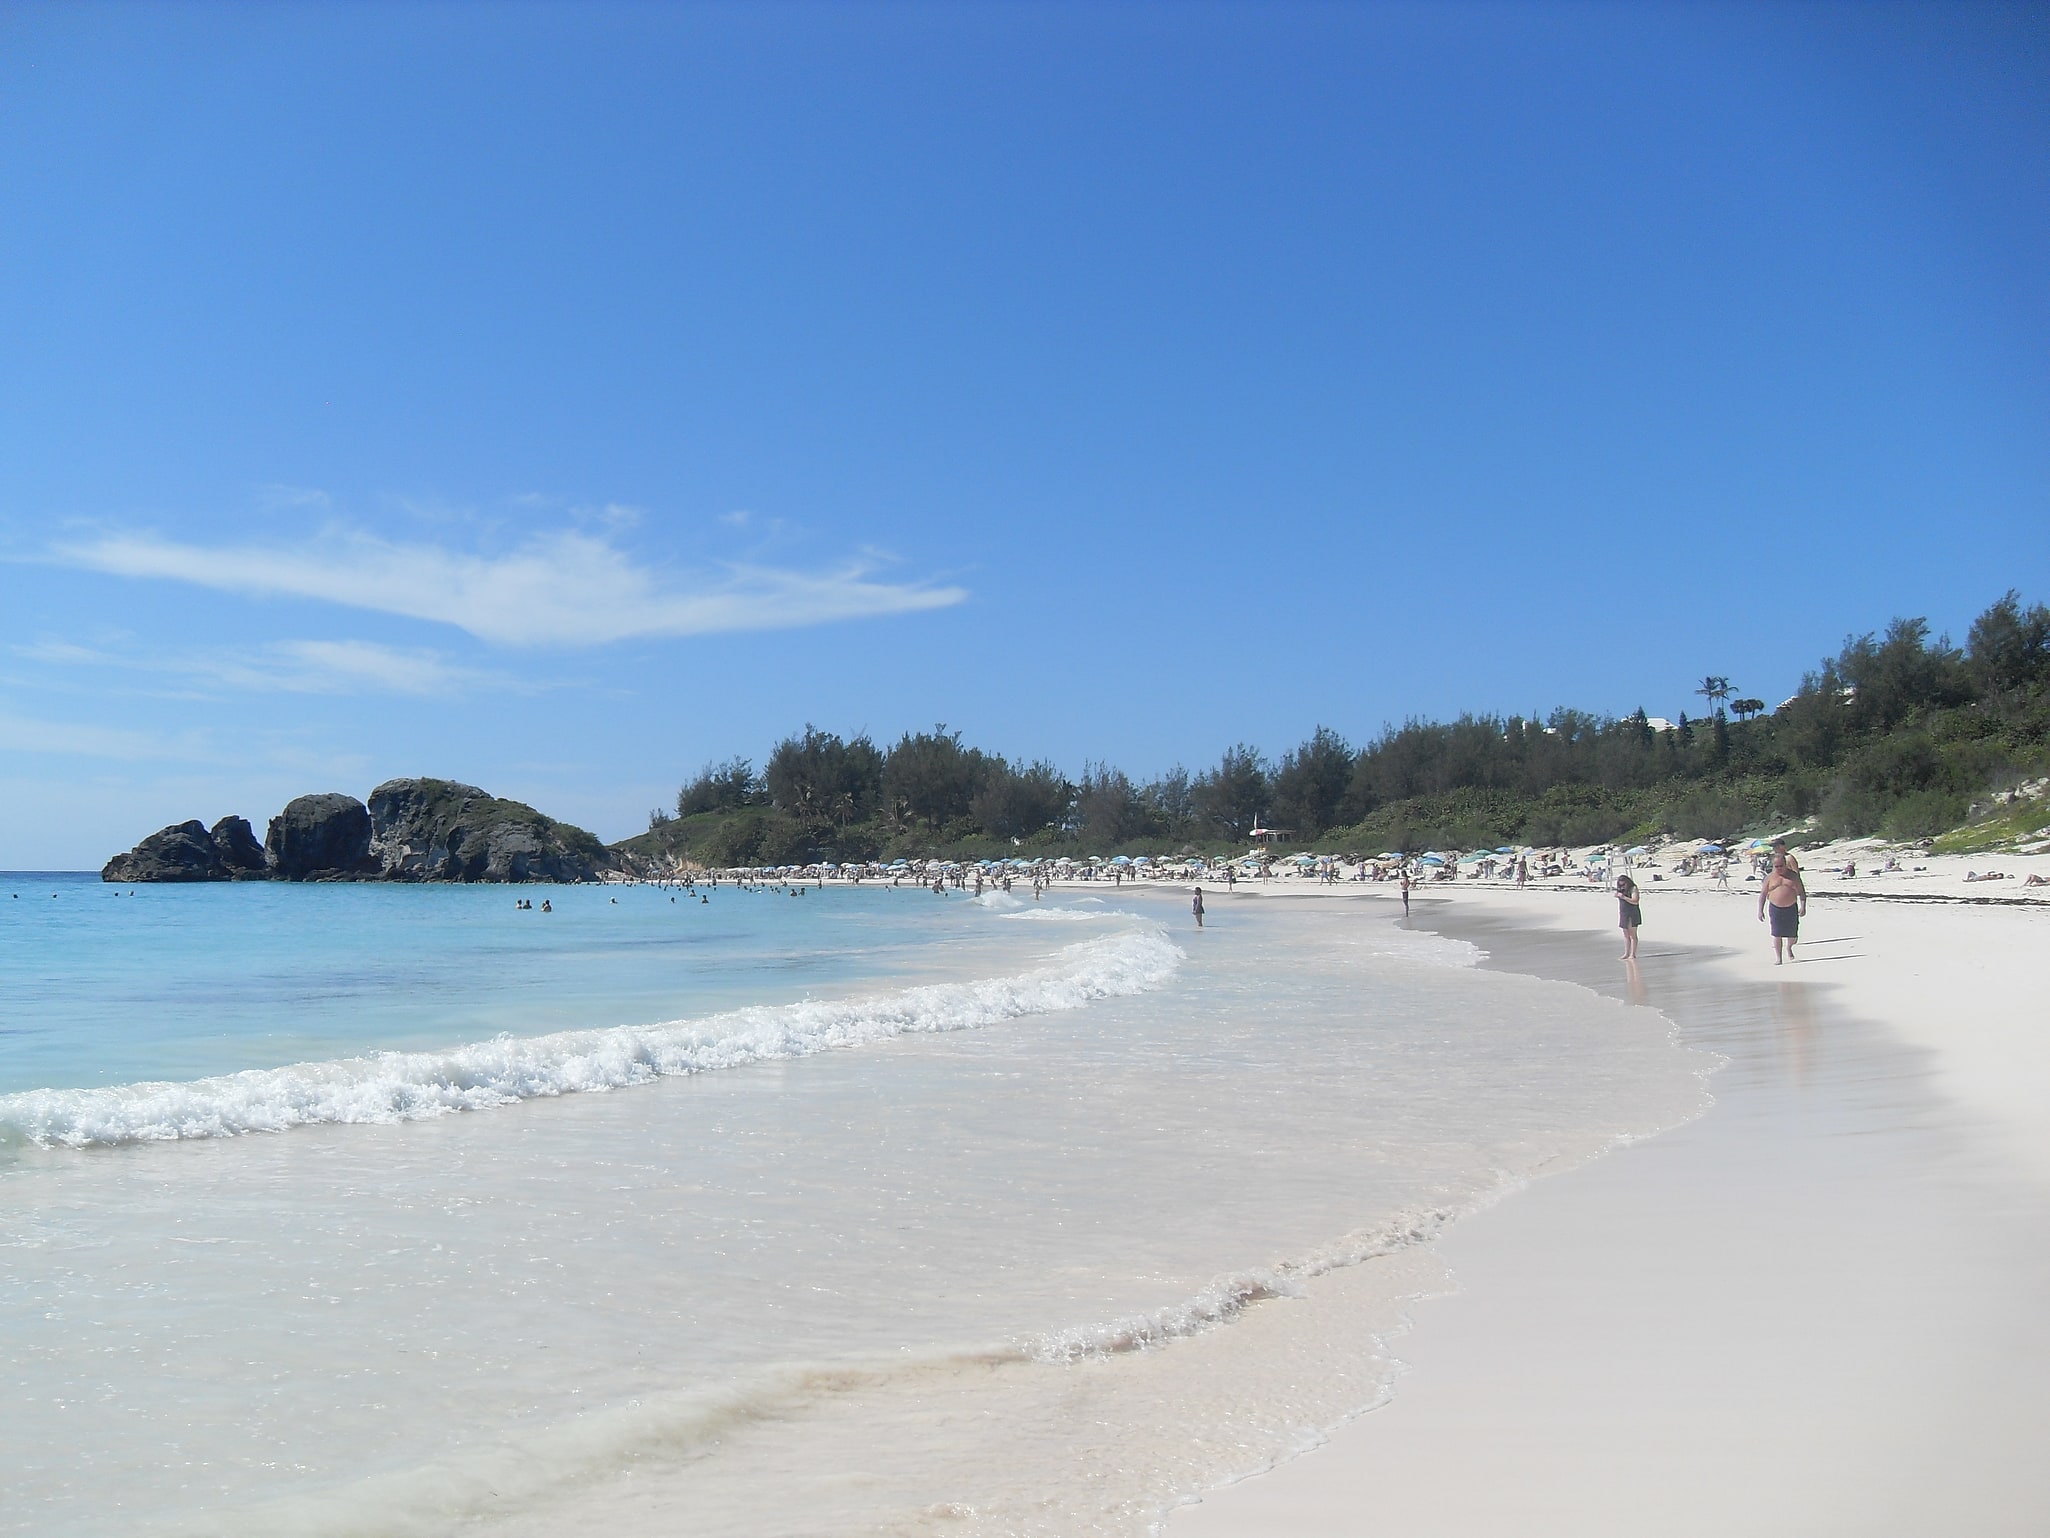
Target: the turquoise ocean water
pixel 104 985
pixel 397 1210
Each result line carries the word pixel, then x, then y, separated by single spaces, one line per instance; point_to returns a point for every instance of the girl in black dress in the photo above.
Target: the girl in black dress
pixel 1630 915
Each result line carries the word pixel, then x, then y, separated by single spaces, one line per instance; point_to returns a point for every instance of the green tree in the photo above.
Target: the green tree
pixel 1108 809
pixel 1017 801
pixel 1233 794
pixel 2009 646
pixel 931 778
pixel 1168 805
pixel 720 788
pixel 823 781
pixel 1310 784
pixel 1887 681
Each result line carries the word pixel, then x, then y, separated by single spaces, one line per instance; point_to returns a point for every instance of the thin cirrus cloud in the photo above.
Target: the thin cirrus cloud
pixel 351 667
pixel 573 588
pixel 284 667
pixel 71 739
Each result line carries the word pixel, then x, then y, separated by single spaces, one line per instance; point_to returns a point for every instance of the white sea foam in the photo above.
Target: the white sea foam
pixel 1228 1296
pixel 1420 945
pixel 1071 915
pixel 404 1086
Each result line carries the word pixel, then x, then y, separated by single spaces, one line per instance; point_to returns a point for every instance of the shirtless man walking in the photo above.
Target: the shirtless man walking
pixel 1787 896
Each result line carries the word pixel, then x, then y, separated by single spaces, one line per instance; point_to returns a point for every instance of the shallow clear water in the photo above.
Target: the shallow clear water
pixel 1122 1204
pixel 103 984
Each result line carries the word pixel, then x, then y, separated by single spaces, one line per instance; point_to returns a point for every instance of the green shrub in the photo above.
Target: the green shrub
pixel 1924 814
pixel 1850 812
pixel 1710 812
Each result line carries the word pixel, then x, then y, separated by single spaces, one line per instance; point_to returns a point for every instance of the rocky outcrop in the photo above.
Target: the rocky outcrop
pixel 442 830
pixel 320 836
pixel 182 852
pixel 412 830
pixel 241 856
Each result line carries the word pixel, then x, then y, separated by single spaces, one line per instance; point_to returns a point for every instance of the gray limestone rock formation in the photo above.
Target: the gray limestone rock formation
pixel 182 852
pixel 442 830
pixel 315 837
pixel 241 856
pixel 412 830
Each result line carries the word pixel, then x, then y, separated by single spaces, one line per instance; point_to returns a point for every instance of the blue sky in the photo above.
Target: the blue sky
pixel 557 398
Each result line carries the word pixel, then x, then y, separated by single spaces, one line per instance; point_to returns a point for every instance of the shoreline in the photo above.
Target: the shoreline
pixel 1812 1309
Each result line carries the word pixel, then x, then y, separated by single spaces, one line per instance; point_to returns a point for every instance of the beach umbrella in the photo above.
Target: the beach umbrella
pixel 1711 849
pixel 1639 849
pixel 1431 859
pixel 1118 859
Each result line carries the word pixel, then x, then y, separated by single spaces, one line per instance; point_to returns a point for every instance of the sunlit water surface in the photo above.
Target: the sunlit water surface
pixel 369 1209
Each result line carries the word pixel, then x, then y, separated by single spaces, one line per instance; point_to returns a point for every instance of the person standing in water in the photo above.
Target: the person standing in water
pixel 1405 891
pixel 1787 895
pixel 1630 915
pixel 1197 905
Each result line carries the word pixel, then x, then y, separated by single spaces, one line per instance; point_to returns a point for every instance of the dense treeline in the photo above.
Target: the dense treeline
pixel 1897 733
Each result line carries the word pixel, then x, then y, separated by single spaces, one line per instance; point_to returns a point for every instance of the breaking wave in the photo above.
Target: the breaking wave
pixel 406 1086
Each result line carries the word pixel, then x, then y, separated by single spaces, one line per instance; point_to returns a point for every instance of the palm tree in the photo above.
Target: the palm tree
pixel 1746 709
pixel 1715 689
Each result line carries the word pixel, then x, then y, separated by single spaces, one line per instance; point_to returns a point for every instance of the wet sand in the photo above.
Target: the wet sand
pixel 1815 1310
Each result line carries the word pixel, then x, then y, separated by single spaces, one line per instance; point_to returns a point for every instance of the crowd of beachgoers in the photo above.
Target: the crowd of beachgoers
pixel 1868 865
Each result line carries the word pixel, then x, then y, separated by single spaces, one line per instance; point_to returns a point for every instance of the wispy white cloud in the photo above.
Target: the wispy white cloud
pixel 286 667
pixel 65 653
pixel 25 734
pixel 572 588
pixel 276 497
pixel 348 667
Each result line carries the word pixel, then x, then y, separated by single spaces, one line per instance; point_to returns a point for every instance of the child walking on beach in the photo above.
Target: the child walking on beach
pixel 1630 915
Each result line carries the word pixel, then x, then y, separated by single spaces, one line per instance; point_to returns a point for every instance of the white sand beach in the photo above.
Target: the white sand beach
pixel 1816 1309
